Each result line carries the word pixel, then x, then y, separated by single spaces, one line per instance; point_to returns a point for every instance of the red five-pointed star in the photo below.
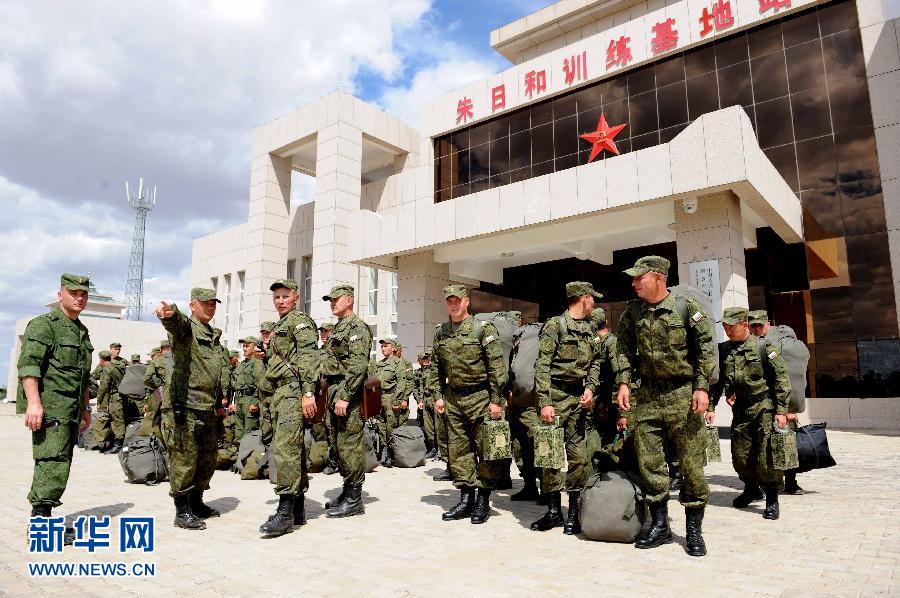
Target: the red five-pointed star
pixel 602 138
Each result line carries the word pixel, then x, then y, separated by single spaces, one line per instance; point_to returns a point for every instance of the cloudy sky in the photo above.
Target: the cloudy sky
pixel 96 93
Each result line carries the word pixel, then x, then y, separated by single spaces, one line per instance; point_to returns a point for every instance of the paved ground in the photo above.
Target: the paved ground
pixel 842 537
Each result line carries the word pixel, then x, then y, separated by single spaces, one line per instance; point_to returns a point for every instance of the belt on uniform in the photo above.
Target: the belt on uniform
pixel 468 390
pixel 333 379
pixel 665 382
pixel 574 388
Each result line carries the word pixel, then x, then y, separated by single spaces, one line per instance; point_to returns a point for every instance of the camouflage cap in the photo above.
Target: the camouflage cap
pixel 75 282
pixel 164 344
pixel 104 355
pixel 514 314
pixel 233 353
pixel 598 315
pixel 649 263
pixel 578 288
pixel 425 353
pixel 248 339
pixel 284 283
pixel 135 357
pixel 455 290
pixel 327 326
pixel 734 315
pixel 389 341
pixel 758 316
pixel 340 290
pixel 154 351
pixel 267 327
pixel 201 294
pixel 115 344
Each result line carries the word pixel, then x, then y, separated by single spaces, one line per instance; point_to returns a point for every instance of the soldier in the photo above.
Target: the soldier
pixel 246 383
pixel 667 341
pixel 154 353
pixel 403 412
pixel 425 403
pixel 53 370
pixel 324 332
pixel 603 374
pixel 564 394
pixel 344 367
pixel 109 398
pixel 265 332
pixel 754 378
pixel 320 431
pixel 759 326
pixel 392 373
pixel 135 358
pixel 194 387
pixel 468 381
pixel 291 374
pixel 155 377
pixel 116 349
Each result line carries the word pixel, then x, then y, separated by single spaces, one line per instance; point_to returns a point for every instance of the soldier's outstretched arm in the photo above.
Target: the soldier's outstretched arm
pixel 174 321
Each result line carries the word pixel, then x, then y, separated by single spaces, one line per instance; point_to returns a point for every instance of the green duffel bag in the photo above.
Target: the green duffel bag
pixel 612 507
pixel 144 461
pixel 408 443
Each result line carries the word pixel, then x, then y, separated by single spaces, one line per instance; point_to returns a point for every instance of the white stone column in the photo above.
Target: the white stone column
pixel 714 232
pixel 338 190
pixel 420 299
pixel 267 236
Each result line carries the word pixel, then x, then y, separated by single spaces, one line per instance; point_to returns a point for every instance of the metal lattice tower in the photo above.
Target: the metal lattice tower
pixel 141 202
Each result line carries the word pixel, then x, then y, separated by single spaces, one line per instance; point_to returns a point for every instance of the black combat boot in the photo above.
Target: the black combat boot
pixel 772 509
pixel 675 477
pixel 283 521
pixel 790 483
pixel 198 508
pixel 115 447
pixel 464 507
pixel 430 450
pixel 694 528
pixel 751 493
pixel 331 466
pixel 340 498
pixel 184 517
pixel 444 476
pixel 482 510
pixel 351 505
pixel 388 460
pixel 529 492
pixel 505 482
pixel 553 517
pixel 658 533
pixel 300 509
pixel 573 519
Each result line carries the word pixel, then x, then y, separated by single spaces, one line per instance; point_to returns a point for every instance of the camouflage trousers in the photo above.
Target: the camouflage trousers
pixel 192 442
pixel 442 434
pixel 571 420
pixel 244 421
pixel 347 434
pixel 117 415
pixel 227 449
pixel 288 448
pixel 51 449
pixel 663 413
pixel 521 421
pixel 751 454
pixel 387 421
pixel 465 420
pixel 425 416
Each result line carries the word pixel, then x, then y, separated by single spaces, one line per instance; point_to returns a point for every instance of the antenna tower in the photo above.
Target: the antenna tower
pixel 141 201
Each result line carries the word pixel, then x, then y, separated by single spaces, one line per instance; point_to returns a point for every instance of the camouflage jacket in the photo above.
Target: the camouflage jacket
pixel 392 373
pixel 466 358
pixel 247 379
pixel 656 343
pixel 200 372
pixel 95 375
pixel 57 351
pixel 110 377
pixel 347 355
pixel 565 356
pixel 420 385
pixel 604 368
pixel 294 352
pixel 407 379
pixel 755 373
pixel 155 376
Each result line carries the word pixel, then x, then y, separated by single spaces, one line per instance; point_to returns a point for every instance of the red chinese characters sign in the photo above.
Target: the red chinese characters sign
pixel 535 83
pixel 617 52
pixel 716 18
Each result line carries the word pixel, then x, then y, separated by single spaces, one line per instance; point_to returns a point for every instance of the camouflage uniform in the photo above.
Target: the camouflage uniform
pixel 345 366
pixel 194 388
pixel 392 374
pixel 408 389
pixel 154 378
pixel 602 376
pixel 424 405
pixel 112 375
pixel 468 373
pixel 762 389
pixel 246 385
pixel 291 372
pixel 57 351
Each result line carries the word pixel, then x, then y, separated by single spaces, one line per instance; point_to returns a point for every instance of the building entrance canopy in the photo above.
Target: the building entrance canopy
pixel 591 210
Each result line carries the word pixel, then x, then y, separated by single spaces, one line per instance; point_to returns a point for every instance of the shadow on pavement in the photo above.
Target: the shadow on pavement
pixel 224 504
pixel 113 510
